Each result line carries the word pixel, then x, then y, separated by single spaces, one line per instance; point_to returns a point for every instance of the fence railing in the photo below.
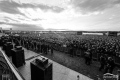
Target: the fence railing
pixel 16 73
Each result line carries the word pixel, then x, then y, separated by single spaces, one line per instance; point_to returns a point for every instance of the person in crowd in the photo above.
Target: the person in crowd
pixel 78 77
pixel 87 57
pixel 51 49
pixel 45 49
pixel 48 48
pixel 112 64
pixel 42 46
pixel 29 44
pixel 90 55
pixel 71 51
pixel 102 62
pixel 38 47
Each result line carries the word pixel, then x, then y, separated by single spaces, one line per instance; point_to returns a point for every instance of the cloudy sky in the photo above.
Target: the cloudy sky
pixel 60 14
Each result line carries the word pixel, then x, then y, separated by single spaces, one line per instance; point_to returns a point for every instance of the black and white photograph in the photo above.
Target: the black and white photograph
pixel 59 39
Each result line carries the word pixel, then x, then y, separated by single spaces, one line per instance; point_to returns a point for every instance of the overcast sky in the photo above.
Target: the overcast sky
pixel 60 14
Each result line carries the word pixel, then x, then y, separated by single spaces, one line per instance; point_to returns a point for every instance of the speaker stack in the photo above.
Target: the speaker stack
pixel 41 69
pixel 18 57
pixel 7 48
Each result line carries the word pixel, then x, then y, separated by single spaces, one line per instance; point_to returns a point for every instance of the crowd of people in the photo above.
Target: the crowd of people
pixel 33 44
pixel 96 44
pixel 107 63
pixel 71 43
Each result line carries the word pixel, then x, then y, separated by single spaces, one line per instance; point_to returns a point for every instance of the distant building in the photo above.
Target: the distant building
pixel 112 33
pixel 92 33
pixel 104 34
pixel 79 32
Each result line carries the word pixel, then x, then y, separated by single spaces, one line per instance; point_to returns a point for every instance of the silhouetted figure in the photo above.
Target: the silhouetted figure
pixel 71 52
pixel 112 64
pixel 78 77
pixel 51 50
pixel 87 58
pixel 102 62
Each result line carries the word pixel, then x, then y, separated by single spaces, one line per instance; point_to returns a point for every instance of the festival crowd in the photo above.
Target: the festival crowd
pixel 91 45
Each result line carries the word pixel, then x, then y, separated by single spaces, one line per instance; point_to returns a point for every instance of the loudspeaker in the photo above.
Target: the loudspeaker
pixel 18 57
pixel 7 48
pixel 18 47
pixel 43 73
pixel 42 61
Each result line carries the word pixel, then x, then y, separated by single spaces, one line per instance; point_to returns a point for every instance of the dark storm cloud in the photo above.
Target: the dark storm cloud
pixel 27 27
pixel 11 7
pixel 2 23
pixel 7 19
pixel 43 7
pixel 86 6
pixel 23 26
